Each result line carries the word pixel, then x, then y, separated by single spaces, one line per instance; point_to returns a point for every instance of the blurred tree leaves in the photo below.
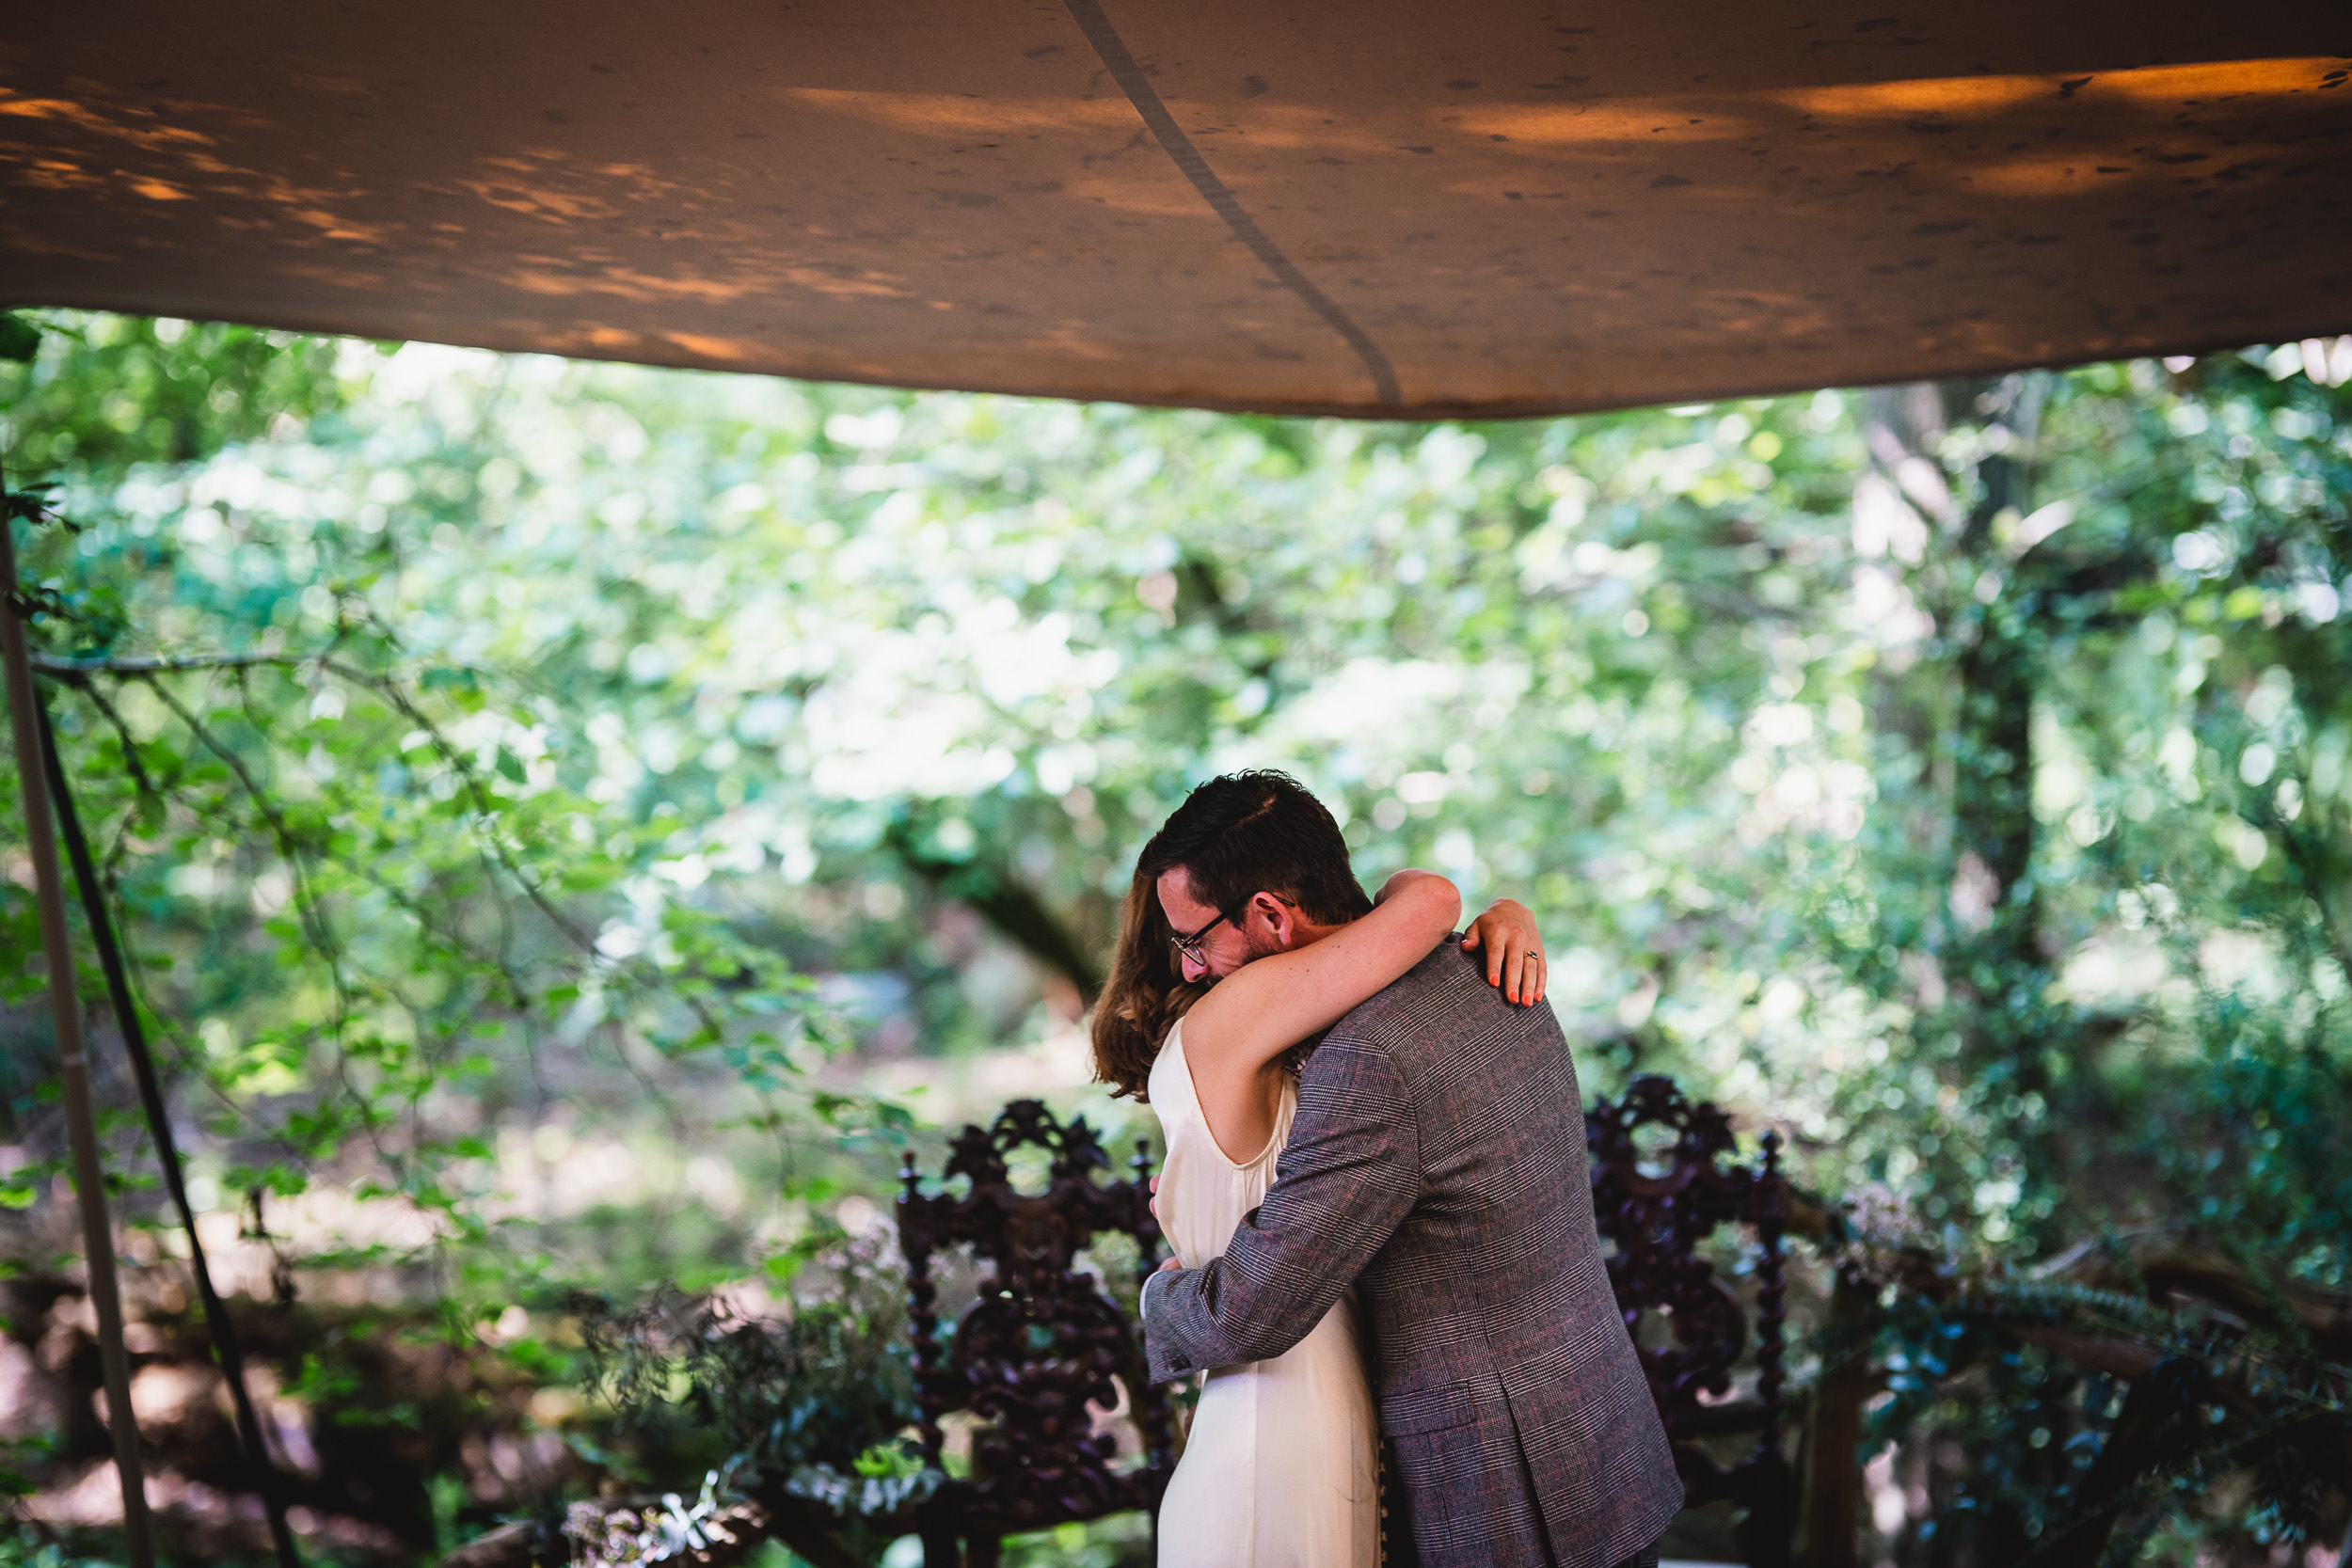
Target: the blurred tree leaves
pixel 20 340
pixel 1956 777
pixel 817 664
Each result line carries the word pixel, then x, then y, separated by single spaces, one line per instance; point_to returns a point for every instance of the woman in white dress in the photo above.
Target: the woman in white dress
pixel 1280 1467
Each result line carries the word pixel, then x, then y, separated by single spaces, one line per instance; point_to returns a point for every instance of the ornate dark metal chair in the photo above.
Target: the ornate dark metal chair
pixel 1659 1205
pixel 1042 1355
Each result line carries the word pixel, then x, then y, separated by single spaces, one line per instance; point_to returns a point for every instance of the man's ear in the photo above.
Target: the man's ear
pixel 1278 916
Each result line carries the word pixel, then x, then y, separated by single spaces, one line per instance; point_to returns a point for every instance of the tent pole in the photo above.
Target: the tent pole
pixel 89 1179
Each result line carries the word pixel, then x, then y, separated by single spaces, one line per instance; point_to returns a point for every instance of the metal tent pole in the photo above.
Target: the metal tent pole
pixel 88 1177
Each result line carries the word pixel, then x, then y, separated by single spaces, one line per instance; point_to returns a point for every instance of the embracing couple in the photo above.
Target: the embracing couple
pixel 1376 1191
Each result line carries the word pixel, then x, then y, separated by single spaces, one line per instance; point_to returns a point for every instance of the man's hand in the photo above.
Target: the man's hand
pixel 1165 1263
pixel 1514 951
pixel 1143 1295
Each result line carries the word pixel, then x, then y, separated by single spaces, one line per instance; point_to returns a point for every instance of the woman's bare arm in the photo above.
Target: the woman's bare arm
pixel 1235 1035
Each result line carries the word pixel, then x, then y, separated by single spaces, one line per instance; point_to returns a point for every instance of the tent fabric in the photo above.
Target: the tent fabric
pixel 1489 208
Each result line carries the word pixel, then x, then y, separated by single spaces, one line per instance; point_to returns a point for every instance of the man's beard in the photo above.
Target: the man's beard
pixel 1254 946
pixel 1261 946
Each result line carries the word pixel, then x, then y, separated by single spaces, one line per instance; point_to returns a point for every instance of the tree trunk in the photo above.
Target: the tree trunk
pixel 1986 604
pixel 1992 788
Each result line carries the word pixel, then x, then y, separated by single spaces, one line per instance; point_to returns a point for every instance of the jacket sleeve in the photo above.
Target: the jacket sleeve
pixel 1345 1182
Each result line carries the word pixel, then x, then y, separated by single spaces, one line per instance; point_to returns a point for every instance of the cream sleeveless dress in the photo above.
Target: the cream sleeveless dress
pixel 1280 1469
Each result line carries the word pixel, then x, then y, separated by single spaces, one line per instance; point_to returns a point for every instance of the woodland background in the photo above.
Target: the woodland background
pixel 597 816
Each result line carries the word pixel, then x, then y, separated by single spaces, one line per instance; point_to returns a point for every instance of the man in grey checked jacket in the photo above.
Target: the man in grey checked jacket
pixel 1437 1162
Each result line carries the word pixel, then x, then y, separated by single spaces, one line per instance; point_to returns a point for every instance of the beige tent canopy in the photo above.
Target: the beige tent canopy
pixel 1488 207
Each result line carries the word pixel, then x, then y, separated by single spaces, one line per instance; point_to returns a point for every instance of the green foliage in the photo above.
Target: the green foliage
pixel 1123 1541
pixel 2019 1435
pixel 20 340
pixel 24 1546
pixel 1955 778
pixel 108 392
pixel 819 1393
pixel 352 886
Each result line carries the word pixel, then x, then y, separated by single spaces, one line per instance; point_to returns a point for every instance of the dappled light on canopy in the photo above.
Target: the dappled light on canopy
pixel 1367 209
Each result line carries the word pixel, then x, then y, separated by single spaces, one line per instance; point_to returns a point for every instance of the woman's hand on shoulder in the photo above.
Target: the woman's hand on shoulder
pixel 1515 950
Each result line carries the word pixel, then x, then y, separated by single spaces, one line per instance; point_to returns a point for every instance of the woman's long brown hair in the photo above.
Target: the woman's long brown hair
pixel 1144 996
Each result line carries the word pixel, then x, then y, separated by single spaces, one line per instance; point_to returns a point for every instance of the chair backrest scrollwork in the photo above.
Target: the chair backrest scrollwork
pixel 1043 1351
pixel 1660 1206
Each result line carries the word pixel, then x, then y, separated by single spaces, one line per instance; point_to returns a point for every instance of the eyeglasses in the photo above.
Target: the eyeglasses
pixel 1188 943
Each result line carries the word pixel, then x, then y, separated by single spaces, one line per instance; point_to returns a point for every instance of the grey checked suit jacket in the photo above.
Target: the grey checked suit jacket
pixel 1437 1160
